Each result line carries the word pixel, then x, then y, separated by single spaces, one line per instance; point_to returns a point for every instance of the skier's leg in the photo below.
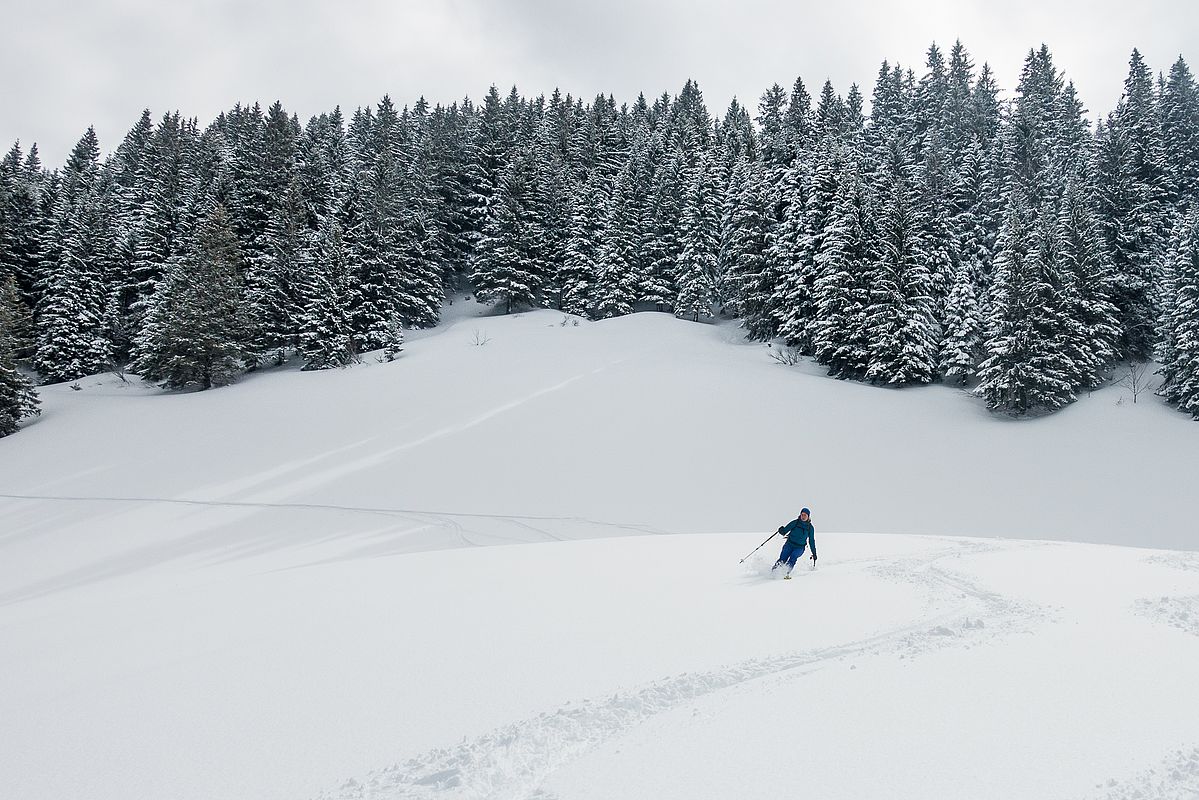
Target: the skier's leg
pixel 793 556
pixel 783 557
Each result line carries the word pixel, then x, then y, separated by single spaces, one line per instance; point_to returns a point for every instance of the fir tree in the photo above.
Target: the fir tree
pixel 1131 188
pixel 961 340
pixel 17 396
pixel 390 276
pixel 72 340
pixel 503 269
pixel 577 278
pixel 616 280
pixel 1180 134
pixel 797 289
pixel 841 292
pixel 785 241
pixel 21 219
pixel 775 146
pixel 1024 370
pixel 899 320
pixel 744 262
pixel 699 236
pixel 1087 284
pixel 421 288
pixel 325 336
pixel 1179 352
pixel 197 327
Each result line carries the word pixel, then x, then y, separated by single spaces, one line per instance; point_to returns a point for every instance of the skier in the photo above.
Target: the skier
pixel 800 534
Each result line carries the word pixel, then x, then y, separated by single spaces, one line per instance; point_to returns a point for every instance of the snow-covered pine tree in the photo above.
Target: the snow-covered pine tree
pixel 421 288
pixel 841 291
pixel 1179 109
pixel 784 242
pixel 160 192
pixel 799 123
pixel 450 148
pixel 985 107
pixel 21 219
pixel 71 317
pixel 197 326
pixel 1024 370
pixel 829 117
pixel 325 336
pixel 961 335
pixel 956 117
pixel 577 280
pixel 503 270
pixel 17 396
pixel 796 288
pixel 375 209
pixel 639 205
pixel 272 283
pixel 975 211
pixel 550 201
pixel 899 320
pixel 274 258
pixel 1179 329
pixel 494 141
pixel 854 122
pixel 10 174
pixel 699 233
pixel 1087 281
pixel 929 104
pixel 935 198
pixel 774 146
pixel 32 217
pixel 132 184
pixel 662 218
pixel 616 278
pixel 749 281
pixel 1134 218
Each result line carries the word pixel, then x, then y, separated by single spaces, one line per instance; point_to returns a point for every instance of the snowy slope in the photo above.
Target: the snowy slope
pixel 273 590
pixel 623 667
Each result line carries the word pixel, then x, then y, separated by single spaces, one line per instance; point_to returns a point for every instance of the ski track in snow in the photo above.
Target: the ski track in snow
pixel 445 517
pixel 1175 778
pixel 1188 562
pixel 512 762
pixel 1181 612
pixel 1177 612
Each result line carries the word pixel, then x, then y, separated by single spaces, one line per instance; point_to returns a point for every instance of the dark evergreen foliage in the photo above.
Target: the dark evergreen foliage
pixel 1003 245
pixel 17 396
pixel 198 326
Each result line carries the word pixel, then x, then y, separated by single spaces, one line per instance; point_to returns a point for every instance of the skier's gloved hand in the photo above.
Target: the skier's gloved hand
pixel 813 558
pixel 780 530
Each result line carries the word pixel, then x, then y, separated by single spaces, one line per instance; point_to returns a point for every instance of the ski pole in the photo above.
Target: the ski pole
pixel 759 547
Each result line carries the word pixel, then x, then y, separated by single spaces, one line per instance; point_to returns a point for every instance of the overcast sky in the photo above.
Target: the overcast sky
pixel 67 64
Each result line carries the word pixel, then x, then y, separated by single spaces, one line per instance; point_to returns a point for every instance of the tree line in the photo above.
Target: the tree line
pixel 946 235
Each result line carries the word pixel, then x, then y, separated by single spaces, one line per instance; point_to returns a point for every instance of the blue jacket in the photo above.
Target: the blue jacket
pixel 799 532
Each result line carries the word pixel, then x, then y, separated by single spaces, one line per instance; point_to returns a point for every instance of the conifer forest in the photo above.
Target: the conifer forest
pixel 941 230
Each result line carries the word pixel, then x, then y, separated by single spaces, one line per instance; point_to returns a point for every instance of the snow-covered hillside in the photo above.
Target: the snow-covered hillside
pixel 272 590
pixel 641 423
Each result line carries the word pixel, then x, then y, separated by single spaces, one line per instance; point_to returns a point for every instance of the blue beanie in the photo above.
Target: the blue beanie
pixel 805 511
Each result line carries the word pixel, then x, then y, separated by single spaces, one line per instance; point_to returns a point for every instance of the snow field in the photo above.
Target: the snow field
pixel 280 589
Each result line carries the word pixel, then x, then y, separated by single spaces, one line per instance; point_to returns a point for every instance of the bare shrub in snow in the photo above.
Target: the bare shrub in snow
pixel 787 356
pixel 1137 379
